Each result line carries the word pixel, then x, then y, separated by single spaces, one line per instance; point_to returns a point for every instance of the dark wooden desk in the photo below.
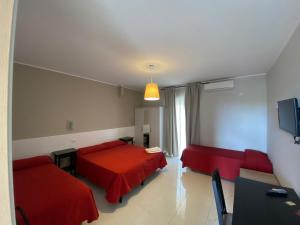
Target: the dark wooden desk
pixel 253 207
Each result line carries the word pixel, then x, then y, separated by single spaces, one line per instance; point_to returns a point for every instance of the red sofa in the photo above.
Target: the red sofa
pixel 206 159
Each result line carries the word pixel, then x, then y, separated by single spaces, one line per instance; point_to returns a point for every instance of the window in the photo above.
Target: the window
pixel 180 119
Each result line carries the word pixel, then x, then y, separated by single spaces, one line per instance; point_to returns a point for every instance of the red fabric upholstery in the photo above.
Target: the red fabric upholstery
pixel 50 196
pixel 99 147
pixel 90 149
pixel 31 162
pixel 207 159
pixel 112 144
pixel 120 168
pixel 257 160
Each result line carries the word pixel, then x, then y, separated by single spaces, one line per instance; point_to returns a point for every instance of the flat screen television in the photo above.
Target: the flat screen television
pixel 288 115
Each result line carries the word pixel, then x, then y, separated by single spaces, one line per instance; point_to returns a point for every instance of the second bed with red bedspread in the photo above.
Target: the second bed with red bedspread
pixel 206 159
pixel 49 195
pixel 117 167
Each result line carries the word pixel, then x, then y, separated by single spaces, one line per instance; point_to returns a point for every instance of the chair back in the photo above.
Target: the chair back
pixel 219 196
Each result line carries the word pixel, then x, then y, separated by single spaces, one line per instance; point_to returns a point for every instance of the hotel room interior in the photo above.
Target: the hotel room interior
pixel 148 112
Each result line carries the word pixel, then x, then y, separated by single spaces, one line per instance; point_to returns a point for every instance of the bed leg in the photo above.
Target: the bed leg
pixel 121 199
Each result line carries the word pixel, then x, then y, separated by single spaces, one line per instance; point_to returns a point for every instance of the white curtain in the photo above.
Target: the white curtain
pixel 180 118
pixel 192 109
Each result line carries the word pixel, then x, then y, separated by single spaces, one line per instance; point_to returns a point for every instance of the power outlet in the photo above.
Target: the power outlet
pixel 70 125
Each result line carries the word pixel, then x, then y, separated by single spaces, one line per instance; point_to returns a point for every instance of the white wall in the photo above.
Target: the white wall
pixel 283 82
pixel 8 11
pixel 29 147
pixel 235 118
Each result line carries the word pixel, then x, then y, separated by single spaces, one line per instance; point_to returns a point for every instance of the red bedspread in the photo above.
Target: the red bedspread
pixel 117 166
pixel 50 196
pixel 207 159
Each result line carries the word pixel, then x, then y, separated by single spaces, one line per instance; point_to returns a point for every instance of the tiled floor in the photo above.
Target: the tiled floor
pixel 174 196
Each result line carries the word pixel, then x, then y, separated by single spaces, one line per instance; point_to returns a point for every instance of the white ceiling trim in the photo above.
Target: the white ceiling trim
pixel 247 76
pixel 138 90
pixel 73 75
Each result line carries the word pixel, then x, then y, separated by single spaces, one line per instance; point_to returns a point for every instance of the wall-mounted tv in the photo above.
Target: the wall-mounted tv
pixel 288 115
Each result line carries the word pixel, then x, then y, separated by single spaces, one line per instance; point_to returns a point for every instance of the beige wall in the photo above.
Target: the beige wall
pixel 283 82
pixel 43 102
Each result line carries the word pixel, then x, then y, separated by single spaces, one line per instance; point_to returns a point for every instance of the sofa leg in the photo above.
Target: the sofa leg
pixel 121 199
pixel 142 184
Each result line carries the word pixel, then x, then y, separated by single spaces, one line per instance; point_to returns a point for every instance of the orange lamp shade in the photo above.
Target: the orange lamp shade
pixel 151 92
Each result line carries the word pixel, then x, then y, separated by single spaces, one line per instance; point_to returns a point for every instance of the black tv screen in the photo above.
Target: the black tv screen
pixel 288 115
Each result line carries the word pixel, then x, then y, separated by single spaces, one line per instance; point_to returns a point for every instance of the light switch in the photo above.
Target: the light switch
pixel 70 125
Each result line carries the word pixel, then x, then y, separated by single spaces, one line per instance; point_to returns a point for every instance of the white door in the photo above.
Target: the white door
pixel 139 123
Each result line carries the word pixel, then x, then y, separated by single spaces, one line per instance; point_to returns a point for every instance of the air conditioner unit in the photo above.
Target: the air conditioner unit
pixel 228 84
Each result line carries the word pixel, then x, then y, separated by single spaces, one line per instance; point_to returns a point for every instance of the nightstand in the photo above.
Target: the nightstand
pixel 70 154
pixel 128 140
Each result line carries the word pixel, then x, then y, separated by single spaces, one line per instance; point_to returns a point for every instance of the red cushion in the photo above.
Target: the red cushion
pixel 31 162
pixel 256 160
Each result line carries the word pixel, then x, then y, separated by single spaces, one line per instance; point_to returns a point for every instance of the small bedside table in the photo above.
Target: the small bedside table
pixel 66 153
pixel 128 140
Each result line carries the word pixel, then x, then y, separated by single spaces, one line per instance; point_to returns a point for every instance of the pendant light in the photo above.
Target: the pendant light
pixel 151 90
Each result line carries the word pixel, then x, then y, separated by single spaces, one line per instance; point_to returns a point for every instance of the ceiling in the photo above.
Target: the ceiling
pixel 194 40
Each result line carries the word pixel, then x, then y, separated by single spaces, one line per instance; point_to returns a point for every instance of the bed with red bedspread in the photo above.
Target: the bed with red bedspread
pixel 49 195
pixel 206 159
pixel 117 167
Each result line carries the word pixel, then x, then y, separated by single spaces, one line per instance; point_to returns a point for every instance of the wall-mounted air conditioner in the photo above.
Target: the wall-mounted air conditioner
pixel 228 84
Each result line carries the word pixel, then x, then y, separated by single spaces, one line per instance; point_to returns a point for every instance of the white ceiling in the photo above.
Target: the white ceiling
pixel 192 40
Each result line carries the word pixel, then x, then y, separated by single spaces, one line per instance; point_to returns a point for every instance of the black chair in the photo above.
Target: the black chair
pixel 223 217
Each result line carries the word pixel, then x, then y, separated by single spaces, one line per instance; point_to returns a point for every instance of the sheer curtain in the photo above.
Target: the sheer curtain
pixel 180 118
